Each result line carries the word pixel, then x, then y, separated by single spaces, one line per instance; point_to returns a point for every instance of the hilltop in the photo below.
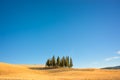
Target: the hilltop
pixel 115 67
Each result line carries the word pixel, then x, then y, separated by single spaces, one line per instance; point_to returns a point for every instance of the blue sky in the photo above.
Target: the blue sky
pixel 32 31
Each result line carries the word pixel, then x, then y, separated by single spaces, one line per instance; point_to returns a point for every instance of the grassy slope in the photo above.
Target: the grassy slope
pixel 12 72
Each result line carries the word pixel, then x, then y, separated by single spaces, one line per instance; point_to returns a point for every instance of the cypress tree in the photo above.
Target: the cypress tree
pixel 48 63
pixel 53 61
pixel 63 62
pixel 71 63
pixel 58 61
pixel 67 61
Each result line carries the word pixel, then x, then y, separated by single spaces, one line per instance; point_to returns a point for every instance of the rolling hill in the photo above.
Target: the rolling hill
pixel 25 72
pixel 116 67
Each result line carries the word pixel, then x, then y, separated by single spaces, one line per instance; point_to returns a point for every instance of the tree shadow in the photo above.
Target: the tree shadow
pixel 42 68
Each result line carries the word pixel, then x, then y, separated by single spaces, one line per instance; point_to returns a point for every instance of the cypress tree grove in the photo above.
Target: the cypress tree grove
pixel 64 62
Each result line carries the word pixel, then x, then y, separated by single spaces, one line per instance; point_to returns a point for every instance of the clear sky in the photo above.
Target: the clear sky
pixel 32 31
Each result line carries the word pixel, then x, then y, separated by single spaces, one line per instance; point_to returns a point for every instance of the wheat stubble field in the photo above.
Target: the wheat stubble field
pixel 22 72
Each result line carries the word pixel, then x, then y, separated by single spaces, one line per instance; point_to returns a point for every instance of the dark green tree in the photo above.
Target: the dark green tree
pixel 53 61
pixel 67 61
pixel 62 62
pixel 48 63
pixel 71 63
pixel 58 61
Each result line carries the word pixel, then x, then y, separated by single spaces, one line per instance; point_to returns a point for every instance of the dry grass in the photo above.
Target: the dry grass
pixel 21 72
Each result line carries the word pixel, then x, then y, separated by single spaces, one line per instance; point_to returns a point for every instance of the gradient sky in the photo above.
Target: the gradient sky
pixel 32 31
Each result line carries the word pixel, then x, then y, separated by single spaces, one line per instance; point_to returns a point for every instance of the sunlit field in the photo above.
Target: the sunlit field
pixel 27 72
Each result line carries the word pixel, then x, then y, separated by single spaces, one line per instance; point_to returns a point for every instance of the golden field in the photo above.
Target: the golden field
pixel 27 72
